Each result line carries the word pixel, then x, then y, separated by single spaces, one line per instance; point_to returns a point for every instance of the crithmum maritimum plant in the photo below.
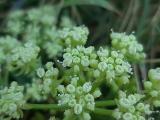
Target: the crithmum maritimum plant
pixel 72 81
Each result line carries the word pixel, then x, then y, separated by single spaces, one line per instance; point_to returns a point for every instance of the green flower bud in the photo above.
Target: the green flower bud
pixel 77 109
pixel 102 66
pixel 85 61
pixel 40 72
pixel 154 93
pixel 97 93
pixel 70 88
pixel 110 60
pixel 117 114
pixel 61 88
pixel 114 54
pixel 89 50
pixel 49 65
pixel 124 103
pixel 67 62
pixel 154 74
pixel 148 85
pixel 72 103
pixel 131 109
pixel 75 52
pixel 76 60
pixel 124 79
pixel 91 106
pixel 140 107
pixel 141 118
pixel 93 56
pixel 156 103
pixel 12 107
pixel 93 63
pixel 132 99
pixel 127 116
pixel 119 69
pixel 86 116
pixel 118 61
pixel 96 73
pixel 79 90
pixel 110 67
pixel 87 87
pixel 89 98
pixel 147 109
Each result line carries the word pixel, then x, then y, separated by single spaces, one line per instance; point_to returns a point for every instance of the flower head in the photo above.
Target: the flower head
pixel 128 45
pixel 131 107
pixel 78 98
pixel 11 101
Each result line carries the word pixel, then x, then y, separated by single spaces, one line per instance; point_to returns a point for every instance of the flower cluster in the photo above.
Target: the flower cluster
pixel 19 20
pixel 152 88
pixel 54 45
pixel 113 66
pixel 131 107
pixel 15 23
pixel 103 64
pixel 38 26
pixel 128 45
pixel 79 99
pixel 74 82
pixel 6 45
pixel 24 57
pixel 79 55
pixel 46 83
pixel 29 25
pixel 74 36
pixel 11 102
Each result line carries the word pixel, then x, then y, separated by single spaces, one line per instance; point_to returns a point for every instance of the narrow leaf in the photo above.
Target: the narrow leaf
pixel 101 3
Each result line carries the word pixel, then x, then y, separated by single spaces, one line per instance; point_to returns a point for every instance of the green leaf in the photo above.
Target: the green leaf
pixel 101 3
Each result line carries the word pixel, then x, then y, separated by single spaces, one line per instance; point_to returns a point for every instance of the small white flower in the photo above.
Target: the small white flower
pixel 70 88
pixel 87 87
pixel 78 109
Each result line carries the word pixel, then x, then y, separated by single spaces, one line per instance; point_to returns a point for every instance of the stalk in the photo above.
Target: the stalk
pixel 101 111
pixel 43 107
pixel 105 103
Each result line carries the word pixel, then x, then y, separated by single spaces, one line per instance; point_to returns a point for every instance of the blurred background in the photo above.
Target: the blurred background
pixel 141 17
pixel 101 16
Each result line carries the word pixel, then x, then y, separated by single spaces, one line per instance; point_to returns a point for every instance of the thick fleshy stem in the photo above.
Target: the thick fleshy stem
pixel 105 103
pixel 43 107
pixel 102 111
pixel 6 75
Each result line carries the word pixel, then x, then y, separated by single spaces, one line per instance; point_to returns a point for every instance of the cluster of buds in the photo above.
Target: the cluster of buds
pixel 11 102
pixel 80 99
pixel 128 45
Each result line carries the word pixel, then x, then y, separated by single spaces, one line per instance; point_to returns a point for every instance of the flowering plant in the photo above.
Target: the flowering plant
pixel 53 70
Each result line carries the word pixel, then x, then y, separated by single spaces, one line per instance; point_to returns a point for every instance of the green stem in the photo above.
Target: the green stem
pixel 105 103
pixel 43 107
pixel 101 111
pixel 114 87
pixel 6 74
